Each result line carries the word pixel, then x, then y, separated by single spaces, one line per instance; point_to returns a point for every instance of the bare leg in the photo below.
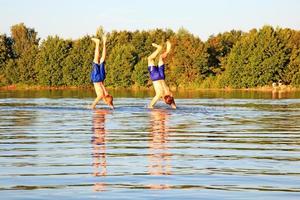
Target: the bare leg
pixel 164 55
pixel 159 92
pixel 154 54
pixel 97 53
pixel 154 100
pixel 168 49
pixel 104 49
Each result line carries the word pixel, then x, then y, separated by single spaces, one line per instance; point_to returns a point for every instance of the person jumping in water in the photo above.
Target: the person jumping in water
pixel 98 75
pixel 157 75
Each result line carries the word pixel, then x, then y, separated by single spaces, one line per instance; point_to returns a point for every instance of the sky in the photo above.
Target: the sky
pixel 76 18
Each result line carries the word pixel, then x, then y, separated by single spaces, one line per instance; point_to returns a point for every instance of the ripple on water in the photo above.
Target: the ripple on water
pixel 213 148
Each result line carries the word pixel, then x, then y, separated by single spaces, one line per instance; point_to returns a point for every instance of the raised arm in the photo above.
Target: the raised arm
pixel 158 93
pixel 103 50
pixel 154 100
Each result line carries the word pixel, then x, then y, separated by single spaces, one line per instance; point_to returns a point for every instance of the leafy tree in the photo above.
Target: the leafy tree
pixel 6 54
pixel 49 65
pixel 118 38
pixel 9 73
pixel 159 36
pixel 25 47
pixel 140 74
pixel 5 49
pixel 187 61
pixel 258 59
pixel 291 73
pixel 218 48
pixel 120 65
pixel 77 65
pixel 293 69
pixel 233 58
pixel 142 43
pixel 23 38
pixel 25 66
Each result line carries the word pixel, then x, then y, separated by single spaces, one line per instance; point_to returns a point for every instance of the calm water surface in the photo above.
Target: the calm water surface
pixel 214 146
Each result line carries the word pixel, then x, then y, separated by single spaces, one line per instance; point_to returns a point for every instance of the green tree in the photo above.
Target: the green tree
pixel 23 38
pixel 258 59
pixel 116 38
pixel 187 62
pixel 6 54
pixel 49 65
pixel 218 48
pixel 26 66
pixel 140 74
pixel 5 49
pixel 291 73
pixel 25 47
pixel 293 69
pixel 142 43
pixel 77 65
pixel 120 65
pixel 233 58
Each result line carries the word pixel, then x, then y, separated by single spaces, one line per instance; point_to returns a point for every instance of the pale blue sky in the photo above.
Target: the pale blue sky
pixel 75 18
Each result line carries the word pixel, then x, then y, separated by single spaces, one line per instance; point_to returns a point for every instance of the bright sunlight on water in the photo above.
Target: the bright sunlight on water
pixel 214 146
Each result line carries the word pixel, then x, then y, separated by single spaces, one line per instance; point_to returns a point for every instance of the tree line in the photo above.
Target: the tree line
pixel 232 59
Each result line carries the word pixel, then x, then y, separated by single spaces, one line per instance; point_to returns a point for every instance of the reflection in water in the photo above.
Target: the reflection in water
pixel 278 94
pixel 99 149
pixel 214 148
pixel 79 93
pixel 23 118
pixel 159 158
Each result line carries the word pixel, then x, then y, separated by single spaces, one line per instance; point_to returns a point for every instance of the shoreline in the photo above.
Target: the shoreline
pixel 134 88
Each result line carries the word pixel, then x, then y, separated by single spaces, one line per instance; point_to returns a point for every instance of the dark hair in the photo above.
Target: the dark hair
pixel 109 99
pixel 169 99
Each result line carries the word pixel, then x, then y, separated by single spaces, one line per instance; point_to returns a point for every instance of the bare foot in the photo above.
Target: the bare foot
pixel 156 46
pixel 96 40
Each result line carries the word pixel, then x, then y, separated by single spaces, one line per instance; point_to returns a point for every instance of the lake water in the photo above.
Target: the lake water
pixel 216 145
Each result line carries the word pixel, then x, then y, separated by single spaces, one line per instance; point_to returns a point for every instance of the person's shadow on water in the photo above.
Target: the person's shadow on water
pixel 159 157
pixel 99 148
